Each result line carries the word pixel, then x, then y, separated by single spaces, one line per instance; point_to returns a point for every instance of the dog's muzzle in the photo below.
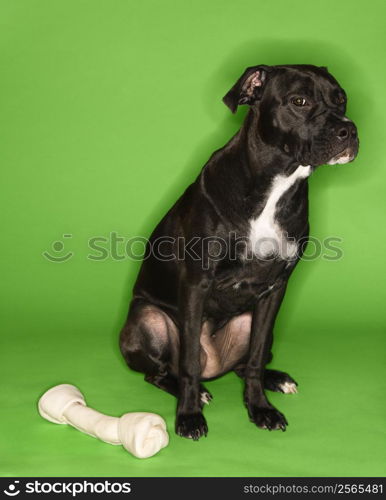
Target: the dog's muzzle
pixel 346 134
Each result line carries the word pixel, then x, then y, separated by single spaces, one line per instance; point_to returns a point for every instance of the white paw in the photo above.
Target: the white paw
pixel 289 388
pixel 205 398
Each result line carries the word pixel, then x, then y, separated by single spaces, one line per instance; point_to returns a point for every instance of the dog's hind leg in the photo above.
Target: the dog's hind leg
pixel 144 340
pixel 169 383
pixel 277 381
pixel 274 380
pixel 149 344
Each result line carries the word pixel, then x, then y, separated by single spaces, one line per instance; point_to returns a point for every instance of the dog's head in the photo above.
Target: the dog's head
pixel 301 111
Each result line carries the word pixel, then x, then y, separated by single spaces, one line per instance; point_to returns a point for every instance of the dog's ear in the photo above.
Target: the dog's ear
pixel 248 88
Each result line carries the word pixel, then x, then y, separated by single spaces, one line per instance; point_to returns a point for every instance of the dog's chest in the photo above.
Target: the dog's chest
pixel 266 236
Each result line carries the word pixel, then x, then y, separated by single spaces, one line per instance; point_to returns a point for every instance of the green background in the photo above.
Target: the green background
pixel 108 111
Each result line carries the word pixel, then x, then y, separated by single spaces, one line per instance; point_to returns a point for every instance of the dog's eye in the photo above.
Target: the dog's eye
pixel 299 101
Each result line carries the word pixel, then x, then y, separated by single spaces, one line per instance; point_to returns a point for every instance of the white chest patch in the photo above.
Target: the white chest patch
pixel 266 237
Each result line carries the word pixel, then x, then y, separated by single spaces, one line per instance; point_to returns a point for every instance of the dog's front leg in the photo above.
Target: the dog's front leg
pixel 260 411
pixel 190 421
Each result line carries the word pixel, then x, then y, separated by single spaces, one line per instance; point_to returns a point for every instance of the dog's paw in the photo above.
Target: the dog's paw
pixel 191 425
pixel 205 396
pixel 267 418
pixel 277 381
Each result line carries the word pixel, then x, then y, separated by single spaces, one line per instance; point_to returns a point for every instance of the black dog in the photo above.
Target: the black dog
pixel 217 265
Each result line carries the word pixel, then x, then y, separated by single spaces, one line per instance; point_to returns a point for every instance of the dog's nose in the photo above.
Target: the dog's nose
pixel 348 130
pixel 343 133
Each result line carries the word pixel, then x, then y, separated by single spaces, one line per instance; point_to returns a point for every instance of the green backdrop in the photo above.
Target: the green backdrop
pixel 108 111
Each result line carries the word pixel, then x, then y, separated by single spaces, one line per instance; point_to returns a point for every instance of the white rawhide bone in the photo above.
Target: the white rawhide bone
pixel 142 434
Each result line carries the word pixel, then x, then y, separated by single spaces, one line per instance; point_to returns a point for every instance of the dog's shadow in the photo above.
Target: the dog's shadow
pixel 361 107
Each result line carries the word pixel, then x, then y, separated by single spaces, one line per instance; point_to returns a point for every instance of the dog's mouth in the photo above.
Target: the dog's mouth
pixel 345 156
